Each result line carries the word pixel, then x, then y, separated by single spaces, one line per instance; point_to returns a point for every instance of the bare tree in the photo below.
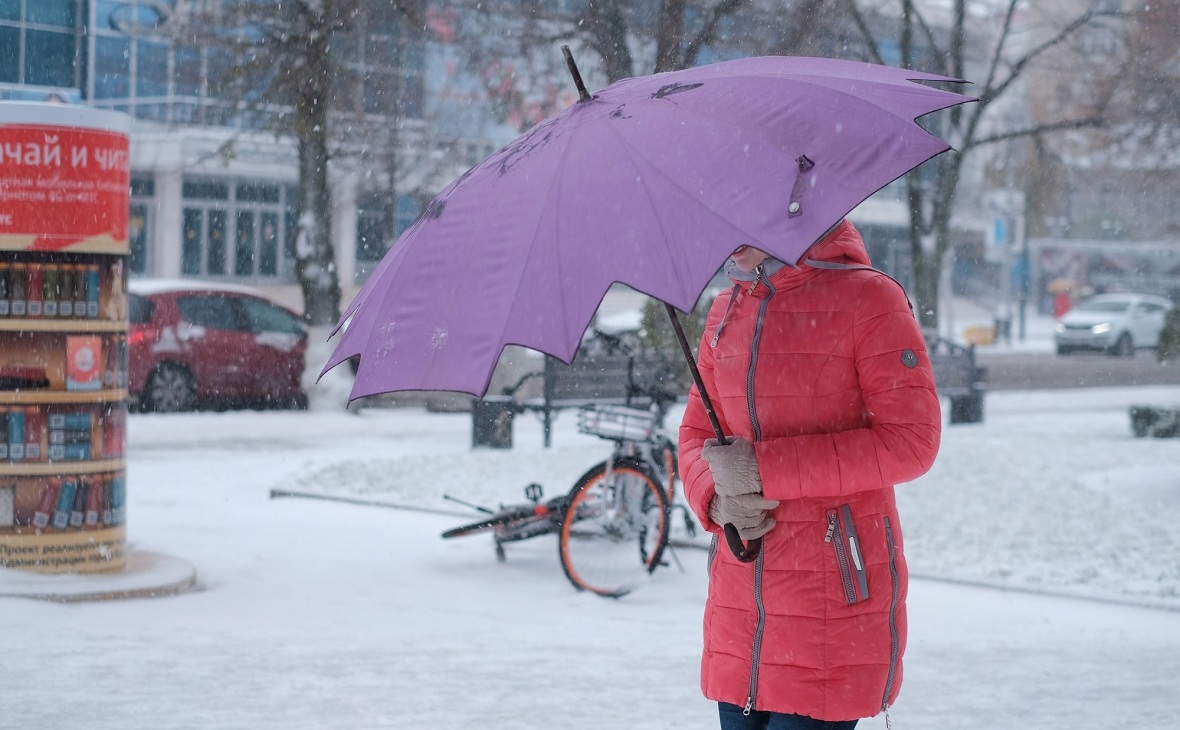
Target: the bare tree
pixel 514 42
pixel 286 59
pixel 1021 46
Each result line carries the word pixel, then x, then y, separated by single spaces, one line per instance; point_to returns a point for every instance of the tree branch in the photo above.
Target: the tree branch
pixel 1040 129
pixel 708 31
pixel 866 33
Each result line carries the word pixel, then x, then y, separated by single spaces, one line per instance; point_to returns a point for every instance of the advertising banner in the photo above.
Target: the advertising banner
pixel 63 186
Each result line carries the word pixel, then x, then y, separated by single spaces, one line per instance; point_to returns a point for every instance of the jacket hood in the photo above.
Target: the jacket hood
pixel 841 245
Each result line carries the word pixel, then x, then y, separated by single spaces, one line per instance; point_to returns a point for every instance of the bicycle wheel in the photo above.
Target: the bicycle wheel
pixel 615 529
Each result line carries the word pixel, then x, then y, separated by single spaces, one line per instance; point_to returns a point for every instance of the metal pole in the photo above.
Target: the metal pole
pixel 746 553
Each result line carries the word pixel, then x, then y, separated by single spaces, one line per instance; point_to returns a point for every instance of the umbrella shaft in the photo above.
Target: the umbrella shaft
pixel 696 373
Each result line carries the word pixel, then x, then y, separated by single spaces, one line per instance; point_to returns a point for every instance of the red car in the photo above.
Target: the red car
pixel 195 343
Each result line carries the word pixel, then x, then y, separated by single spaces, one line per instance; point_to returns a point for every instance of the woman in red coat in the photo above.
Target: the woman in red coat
pixel 819 374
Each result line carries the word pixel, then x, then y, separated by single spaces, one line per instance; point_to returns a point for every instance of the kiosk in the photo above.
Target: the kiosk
pixel 64 195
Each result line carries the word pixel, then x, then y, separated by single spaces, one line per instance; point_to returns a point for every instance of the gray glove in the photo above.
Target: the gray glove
pixel 734 466
pixel 749 513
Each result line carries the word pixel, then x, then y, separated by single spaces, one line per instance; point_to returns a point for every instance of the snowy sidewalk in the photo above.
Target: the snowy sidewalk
pixel 315 615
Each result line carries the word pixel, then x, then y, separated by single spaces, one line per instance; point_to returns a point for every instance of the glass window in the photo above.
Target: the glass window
pixel 107 14
pixel 268 245
pixel 187 79
pixel 205 191
pixel 215 263
pixel 112 68
pixel 139 309
pixel 265 317
pixel 51 12
pixel 244 247
pixel 370 237
pixel 412 97
pixel 9 10
pixel 49 58
pixel 407 213
pixel 151 69
pixel 9 54
pixel 137 238
pixel 190 254
pixel 142 187
pixel 258 193
pixel 212 311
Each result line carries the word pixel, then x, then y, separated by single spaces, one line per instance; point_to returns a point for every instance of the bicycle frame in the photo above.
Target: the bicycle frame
pixel 643 456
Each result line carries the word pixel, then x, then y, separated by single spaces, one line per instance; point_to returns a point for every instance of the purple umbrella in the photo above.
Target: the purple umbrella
pixel 651 182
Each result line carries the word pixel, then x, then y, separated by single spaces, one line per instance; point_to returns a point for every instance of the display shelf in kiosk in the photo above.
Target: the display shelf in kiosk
pixel 63 338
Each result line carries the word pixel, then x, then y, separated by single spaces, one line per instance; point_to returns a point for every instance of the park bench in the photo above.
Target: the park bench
pixel 598 379
pixel 604 378
pixel 608 370
pixel 958 378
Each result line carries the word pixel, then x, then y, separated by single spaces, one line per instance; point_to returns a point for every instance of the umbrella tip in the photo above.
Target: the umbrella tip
pixel 573 67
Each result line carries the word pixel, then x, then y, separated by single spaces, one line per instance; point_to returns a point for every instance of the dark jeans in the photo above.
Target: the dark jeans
pixel 733 719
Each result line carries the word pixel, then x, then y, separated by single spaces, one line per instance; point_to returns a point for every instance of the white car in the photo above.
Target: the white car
pixel 1114 323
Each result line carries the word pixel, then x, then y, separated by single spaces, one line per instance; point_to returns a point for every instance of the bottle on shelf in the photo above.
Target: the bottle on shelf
pixel 65 298
pixel 16 435
pixel 44 510
pixel 65 502
pixel 34 290
pixel 78 510
pixel 92 291
pixel 16 291
pixel 52 290
pixel 5 288
pixel 93 504
pixel 34 428
pixel 79 291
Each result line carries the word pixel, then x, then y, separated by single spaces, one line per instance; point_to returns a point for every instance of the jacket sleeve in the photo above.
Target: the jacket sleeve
pixel 695 428
pixel 897 386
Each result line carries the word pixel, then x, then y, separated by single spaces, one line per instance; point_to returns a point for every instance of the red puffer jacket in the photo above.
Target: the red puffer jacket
pixel 826 371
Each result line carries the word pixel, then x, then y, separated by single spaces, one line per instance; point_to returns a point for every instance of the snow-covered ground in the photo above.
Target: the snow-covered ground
pixel 313 614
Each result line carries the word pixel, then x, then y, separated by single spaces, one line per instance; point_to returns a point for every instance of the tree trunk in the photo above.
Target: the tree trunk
pixel 315 261
pixel 669 35
pixel 608 35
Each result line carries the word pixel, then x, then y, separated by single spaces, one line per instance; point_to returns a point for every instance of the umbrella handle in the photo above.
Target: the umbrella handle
pixel 744 553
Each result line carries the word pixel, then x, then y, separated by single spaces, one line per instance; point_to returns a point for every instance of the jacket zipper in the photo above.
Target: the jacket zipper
pixel 754 344
pixel 835 536
pixel 894 640
pixel 842 534
pixel 760 626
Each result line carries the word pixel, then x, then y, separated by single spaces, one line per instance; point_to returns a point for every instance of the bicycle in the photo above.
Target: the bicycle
pixel 613 524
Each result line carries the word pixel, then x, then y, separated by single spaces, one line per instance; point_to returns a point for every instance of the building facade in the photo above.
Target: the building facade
pixel 213 188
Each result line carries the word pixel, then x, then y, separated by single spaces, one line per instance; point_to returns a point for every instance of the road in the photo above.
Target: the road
pixel 1023 371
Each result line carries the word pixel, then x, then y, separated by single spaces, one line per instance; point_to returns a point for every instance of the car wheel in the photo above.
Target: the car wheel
pixel 170 389
pixel 1123 347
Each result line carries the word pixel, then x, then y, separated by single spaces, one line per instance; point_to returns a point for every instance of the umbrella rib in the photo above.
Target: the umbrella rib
pixel 635 153
pixel 553 189
pixel 910 85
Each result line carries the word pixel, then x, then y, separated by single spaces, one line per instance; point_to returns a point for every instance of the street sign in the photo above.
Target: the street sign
pixel 1000 231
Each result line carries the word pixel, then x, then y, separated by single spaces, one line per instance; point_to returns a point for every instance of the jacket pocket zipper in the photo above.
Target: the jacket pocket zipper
pixel 842 535
pixel 894 636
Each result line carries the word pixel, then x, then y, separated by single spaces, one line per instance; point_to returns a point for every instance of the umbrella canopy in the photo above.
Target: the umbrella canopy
pixel 651 182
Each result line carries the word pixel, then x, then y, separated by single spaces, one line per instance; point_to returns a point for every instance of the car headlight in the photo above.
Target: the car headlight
pixel 1101 329
pixel 1059 328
